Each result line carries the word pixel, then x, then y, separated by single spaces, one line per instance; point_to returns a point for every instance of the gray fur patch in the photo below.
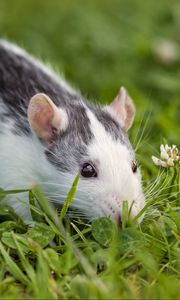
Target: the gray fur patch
pixel 20 79
pixel 68 151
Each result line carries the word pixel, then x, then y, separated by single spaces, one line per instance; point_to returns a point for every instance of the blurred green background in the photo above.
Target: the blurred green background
pixel 101 45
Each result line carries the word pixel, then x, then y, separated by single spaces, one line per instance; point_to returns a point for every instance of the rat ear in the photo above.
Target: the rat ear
pixel 45 118
pixel 124 108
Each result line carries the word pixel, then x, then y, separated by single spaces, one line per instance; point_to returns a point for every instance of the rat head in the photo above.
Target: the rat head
pixel 82 138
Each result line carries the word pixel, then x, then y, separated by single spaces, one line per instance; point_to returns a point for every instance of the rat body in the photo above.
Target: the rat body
pixel 49 133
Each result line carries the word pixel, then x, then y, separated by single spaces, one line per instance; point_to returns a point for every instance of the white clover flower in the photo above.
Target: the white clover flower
pixel 169 156
pixel 163 150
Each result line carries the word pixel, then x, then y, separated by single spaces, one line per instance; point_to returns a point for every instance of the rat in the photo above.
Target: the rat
pixel 49 133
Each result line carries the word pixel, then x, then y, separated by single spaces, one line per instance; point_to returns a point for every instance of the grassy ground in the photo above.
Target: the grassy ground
pixel 99 46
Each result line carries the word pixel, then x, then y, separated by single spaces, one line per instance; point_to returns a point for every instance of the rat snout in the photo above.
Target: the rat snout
pixel 112 207
pixel 118 219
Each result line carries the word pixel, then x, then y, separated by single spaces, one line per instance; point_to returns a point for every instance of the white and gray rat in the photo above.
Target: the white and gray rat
pixel 49 133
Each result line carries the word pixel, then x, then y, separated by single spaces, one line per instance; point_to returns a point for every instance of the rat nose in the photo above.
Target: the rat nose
pixel 118 220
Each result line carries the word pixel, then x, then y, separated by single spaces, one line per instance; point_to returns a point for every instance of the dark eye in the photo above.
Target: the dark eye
pixel 134 167
pixel 88 170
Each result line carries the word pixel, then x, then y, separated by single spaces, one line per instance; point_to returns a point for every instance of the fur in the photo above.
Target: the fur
pixel 91 135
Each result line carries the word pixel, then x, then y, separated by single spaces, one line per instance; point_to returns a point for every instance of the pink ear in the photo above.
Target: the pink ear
pixel 45 118
pixel 124 108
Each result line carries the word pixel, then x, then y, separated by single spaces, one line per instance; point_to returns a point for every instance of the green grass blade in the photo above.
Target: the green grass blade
pixel 13 267
pixel 45 285
pixel 80 234
pixel 25 263
pixel 125 214
pixel 69 198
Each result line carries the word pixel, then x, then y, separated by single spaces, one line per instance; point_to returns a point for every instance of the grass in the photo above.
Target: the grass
pixel 81 261
pixel 99 46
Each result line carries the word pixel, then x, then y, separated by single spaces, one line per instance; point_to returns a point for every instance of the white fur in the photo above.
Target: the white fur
pixel 115 182
pixel 14 48
pixel 24 164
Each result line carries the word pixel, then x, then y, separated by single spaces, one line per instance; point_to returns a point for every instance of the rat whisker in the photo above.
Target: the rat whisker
pixel 139 127
pixel 143 130
pixel 158 192
pixel 174 194
pixel 155 184
pixel 42 183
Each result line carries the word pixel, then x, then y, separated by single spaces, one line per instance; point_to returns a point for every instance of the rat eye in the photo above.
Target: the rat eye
pixel 134 167
pixel 88 170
